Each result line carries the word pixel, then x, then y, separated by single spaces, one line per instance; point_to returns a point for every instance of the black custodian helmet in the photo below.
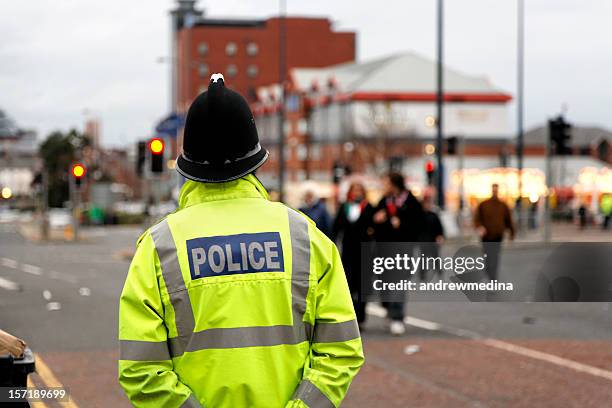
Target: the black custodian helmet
pixel 220 142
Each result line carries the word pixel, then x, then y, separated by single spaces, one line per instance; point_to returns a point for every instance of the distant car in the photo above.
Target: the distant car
pixel 59 218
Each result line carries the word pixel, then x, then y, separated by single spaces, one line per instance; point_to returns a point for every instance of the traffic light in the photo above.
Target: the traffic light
pixel 156 148
pixel 560 135
pixel 78 173
pixel 451 145
pixel 141 157
pixel 430 171
pixel 340 171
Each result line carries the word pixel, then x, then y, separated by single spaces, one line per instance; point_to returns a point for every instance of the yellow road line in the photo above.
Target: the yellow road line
pixel 35 404
pixel 51 380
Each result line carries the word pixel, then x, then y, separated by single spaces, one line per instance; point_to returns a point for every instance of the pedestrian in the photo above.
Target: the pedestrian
pixel 314 207
pixel 432 235
pixel 582 216
pixel 492 219
pixel 234 300
pixel 398 217
pixel 533 215
pixel 352 227
pixel 606 210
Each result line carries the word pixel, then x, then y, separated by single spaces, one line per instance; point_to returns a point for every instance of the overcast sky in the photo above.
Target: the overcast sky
pixel 63 60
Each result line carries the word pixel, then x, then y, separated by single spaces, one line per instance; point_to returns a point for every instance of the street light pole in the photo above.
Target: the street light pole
pixel 519 105
pixel 439 105
pixel 281 112
pixel 547 209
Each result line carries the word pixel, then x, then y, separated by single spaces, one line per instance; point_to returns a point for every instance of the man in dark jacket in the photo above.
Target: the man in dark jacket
pixel 398 217
pixel 492 219
pixel 431 236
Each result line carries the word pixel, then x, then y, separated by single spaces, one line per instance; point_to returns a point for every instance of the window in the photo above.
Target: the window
pixel 302 126
pixel 232 70
pixel 231 48
pixel 302 152
pixel 252 49
pixel 252 71
pixel 203 70
pixel 203 48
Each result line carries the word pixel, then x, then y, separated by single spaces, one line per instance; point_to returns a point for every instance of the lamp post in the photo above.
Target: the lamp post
pixel 439 105
pixel 519 105
pixel 282 67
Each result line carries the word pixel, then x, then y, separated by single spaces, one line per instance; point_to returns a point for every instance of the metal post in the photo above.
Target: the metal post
pixel 44 216
pixel 519 105
pixel 173 60
pixel 461 142
pixel 547 212
pixel 74 201
pixel 282 67
pixel 439 105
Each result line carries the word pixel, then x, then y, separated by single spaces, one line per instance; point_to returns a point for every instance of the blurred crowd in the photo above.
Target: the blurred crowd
pixel 399 216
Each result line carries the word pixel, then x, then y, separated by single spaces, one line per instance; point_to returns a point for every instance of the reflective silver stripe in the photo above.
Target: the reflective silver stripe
pixel 191 402
pixel 137 350
pixel 175 284
pixel 240 337
pixel 310 395
pixel 335 332
pixel 300 269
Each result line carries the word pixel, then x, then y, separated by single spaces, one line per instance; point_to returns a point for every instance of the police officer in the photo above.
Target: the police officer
pixel 234 300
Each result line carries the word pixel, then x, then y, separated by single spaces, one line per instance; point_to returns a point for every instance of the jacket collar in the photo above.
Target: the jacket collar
pixel 194 192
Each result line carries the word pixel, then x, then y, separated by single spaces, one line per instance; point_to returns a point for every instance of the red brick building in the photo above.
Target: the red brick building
pixel 247 52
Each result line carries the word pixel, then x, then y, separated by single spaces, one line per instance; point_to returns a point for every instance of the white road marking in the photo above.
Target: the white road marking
pixel 9 263
pixel 550 358
pixel 84 291
pixel 423 324
pixel 377 310
pixel 51 306
pixel 32 269
pixel 8 285
pixel 47 294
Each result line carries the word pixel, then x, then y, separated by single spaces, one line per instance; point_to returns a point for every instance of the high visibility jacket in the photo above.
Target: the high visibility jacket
pixel 236 301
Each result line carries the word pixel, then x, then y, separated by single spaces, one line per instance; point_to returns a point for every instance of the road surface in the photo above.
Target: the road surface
pixel 62 298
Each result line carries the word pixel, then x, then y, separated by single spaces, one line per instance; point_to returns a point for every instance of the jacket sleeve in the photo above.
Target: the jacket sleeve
pixel 336 353
pixel 145 366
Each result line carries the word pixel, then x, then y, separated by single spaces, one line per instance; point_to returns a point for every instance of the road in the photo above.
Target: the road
pixel 63 299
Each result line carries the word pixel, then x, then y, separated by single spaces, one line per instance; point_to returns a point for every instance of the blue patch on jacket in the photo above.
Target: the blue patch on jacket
pixel 235 254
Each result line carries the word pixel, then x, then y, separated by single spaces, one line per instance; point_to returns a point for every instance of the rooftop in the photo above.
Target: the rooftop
pixel 405 73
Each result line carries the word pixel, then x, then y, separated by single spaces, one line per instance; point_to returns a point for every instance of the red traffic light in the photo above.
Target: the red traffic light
pixel 156 146
pixel 429 167
pixel 78 170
